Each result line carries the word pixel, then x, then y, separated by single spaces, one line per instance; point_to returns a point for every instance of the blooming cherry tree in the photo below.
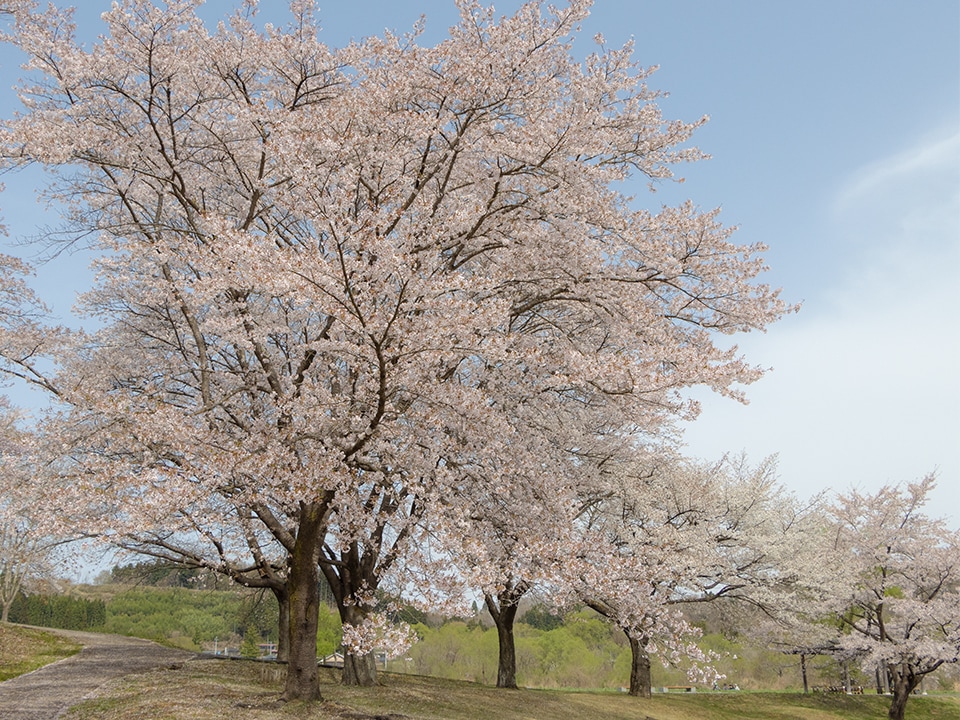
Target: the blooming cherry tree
pixel 330 278
pixel 899 601
pixel 672 532
pixel 29 536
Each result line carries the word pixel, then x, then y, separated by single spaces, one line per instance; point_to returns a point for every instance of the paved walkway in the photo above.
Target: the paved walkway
pixel 48 692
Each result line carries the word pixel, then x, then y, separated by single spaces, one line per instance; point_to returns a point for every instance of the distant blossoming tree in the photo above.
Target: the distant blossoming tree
pixel 29 541
pixel 671 532
pixel 898 598
pixel 329 278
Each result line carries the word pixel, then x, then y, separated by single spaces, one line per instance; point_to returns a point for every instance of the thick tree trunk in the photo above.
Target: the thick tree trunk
pixel 358 670
pixel 5 613
pixel 503 610
pixel 899 704
pixel 304 606
pixel 640 680
pixel 903 681
pixel 346 576
pixel 283 624
pixel 803 671
pixel 507 657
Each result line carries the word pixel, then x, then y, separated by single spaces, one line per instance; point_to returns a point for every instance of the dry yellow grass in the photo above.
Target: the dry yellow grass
pixel 25 649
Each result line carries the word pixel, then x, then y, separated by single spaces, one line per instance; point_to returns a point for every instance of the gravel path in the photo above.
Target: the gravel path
pixel 46 693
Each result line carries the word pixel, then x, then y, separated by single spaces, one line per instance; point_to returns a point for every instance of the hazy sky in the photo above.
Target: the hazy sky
pixel 835 136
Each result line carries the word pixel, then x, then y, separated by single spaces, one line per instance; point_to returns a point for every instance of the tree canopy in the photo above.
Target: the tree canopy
pixel 339 287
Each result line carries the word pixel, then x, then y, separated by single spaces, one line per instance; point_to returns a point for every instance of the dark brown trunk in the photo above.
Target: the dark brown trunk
pixel 344 578
pixel 803 671
pixel 283 624
pixel 358 670
pixel 903 681
pixel 640 680
pixel 304 607
pixel 503 610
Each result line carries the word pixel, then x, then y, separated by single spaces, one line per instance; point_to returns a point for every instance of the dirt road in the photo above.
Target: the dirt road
pixel 46 693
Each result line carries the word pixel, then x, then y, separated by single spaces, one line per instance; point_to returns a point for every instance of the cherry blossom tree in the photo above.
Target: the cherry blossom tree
pixel 28 543
pixel 672 532
pixel 327 276
pixel 512 541
pixel 20 555
pixel 23 553
pixel 206 531
pixel 898 599
pixel 509 529
pixel 27 336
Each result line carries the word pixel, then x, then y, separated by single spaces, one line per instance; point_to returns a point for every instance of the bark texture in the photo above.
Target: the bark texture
pixel 503 610
pixel 903 682
pixel 302 677
pixel 640 680
pixel 283 625
pixel 360 670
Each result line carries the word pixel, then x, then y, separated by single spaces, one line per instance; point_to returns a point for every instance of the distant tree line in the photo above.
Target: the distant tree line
pixel 59 611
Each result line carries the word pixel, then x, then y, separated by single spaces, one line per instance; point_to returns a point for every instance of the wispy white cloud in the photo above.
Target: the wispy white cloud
pixel 932 159
pixel 865 389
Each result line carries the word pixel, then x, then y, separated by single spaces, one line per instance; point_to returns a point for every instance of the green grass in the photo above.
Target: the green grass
pixel 790 706
pixel 203 689
pixel 23 650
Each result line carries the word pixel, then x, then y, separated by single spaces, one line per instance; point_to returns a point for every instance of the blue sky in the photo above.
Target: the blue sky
pixel 835 136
